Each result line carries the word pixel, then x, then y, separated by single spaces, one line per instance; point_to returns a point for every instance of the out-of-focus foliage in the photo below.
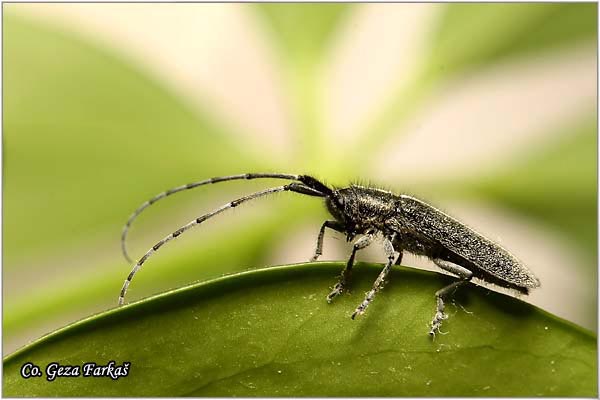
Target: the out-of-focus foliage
pixel 88 136
pixel 302 31
pixel 472 36
pixel 555 185
pixel 499 31
pixel 84 136
pixel 268 333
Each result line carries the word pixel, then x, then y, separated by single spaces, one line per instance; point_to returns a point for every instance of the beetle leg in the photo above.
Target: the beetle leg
pixel 398 247
pixel 339 287
pixel 380 281
pixel 336 226
pixel 455 269
pixel 399 259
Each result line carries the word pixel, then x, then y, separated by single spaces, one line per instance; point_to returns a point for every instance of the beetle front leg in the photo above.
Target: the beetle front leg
pixel 465 276
pixel 380 281
pixel 339 287
pixel 336 226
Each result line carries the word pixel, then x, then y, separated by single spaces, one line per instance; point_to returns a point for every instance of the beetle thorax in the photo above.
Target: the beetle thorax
pixel 361 208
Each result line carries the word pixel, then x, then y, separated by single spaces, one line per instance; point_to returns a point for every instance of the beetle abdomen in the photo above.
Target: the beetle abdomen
pixel 462 240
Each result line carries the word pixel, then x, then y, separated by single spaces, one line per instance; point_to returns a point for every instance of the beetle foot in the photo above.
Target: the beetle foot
pixel 436 323
pixel 339 287
pixel 337 290
pixel 439 316
pixel 360 310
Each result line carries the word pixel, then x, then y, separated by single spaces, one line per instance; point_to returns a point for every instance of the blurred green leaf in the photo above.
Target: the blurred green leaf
pixel 557 184
pixel 271 333
pixel 85 135
pixel 199 256
pixel 302 33
pixel 87 138
pixel 472 35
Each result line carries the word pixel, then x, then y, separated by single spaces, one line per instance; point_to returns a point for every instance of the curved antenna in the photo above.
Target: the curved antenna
pixel 294 187
pixel 177 189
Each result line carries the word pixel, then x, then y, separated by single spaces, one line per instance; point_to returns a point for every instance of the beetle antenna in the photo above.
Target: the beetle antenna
pixel 292 187
pixel 308 180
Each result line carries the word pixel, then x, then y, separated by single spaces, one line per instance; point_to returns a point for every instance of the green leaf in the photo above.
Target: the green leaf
pixel 473 35
pixel 302 34
pixel 271 333
pixel 302 31
pixel 83 294
pixel 557 184
pixel 85 135
pixel 88 136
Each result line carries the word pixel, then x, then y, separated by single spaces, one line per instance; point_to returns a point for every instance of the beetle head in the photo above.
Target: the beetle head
pixel 340 204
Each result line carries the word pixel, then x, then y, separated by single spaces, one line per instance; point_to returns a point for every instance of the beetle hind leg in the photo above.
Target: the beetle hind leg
pixel 441 294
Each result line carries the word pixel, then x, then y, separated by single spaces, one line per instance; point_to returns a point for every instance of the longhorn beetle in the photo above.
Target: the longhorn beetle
pixel 406 224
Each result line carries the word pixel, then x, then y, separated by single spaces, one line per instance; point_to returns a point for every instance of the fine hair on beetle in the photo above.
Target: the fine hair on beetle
pixel 363 213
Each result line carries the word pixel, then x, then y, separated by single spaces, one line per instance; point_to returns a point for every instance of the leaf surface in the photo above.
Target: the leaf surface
pixel 270 332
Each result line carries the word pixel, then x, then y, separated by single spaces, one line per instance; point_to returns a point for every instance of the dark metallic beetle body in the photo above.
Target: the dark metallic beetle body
pixel 426 231
pixel 406 224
